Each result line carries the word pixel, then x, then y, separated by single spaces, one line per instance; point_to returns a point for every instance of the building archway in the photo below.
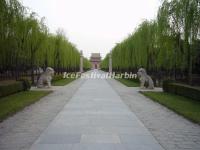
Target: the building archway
pixel 95 59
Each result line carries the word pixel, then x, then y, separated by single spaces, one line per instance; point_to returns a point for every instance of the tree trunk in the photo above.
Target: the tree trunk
pixel 32 68
pixel 189 65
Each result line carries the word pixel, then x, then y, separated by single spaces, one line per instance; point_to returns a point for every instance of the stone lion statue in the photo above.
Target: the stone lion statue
pixel 45 78
pixel 145 80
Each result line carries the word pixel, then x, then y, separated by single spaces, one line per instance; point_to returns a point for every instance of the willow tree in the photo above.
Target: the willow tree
pixel 36 36
pixel 168 44
pixel 16 34
pixel 191 26
pixel 26 44
pixel 105 62
pixel 168 33
pixel 3 30
pixel 86 64
pixel 137 50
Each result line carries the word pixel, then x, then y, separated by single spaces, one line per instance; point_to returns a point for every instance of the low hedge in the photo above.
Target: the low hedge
pixel 181 89
pixel 26 84
pixel 18 86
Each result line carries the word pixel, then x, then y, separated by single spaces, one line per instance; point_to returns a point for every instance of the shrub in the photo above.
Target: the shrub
pixel 181 89
pixel 26 84
pixel 12 88
pixel 166 85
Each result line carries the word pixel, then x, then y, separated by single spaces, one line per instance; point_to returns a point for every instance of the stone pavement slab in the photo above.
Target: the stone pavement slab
pixel 96 119
pixel 171 130
pixel 21 130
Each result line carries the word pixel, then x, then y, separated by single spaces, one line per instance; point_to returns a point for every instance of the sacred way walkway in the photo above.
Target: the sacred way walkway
pixel 96 114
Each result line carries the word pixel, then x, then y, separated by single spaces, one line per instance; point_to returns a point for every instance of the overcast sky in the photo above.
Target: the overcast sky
pixel 94 25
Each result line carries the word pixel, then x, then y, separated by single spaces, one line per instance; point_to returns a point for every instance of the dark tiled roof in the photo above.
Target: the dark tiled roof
pixel 95 55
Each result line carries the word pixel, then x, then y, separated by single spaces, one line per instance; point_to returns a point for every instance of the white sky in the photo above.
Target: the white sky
pixel 94 25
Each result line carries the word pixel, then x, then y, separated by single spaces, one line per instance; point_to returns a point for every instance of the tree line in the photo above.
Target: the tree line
pixel 170 43
pixel 26 43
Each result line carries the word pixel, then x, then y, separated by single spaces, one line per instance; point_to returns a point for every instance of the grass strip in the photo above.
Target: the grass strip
pixel 11 104
pixel 186 107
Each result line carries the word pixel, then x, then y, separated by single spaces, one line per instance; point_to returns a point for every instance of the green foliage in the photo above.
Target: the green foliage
pixel 165 85
pixel 26 44
pixel 105 63
pixel 86 64
pixel 184 106
pixel 26 84
pixel 14 87
pixel 57 77
pixel 167 43
pixel 11 88
pixel 182 90
pixel 16 102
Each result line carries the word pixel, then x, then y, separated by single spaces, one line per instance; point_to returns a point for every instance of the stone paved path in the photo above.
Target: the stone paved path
pixel 171 130
pixel 96 119
pixel 91 114
pixel 21 130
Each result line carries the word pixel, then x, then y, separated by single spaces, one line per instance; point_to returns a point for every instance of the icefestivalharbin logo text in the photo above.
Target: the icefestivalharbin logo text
pixel 95 75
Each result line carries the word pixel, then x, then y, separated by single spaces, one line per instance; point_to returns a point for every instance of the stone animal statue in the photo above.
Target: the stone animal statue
pixel 145 80
pixel 45 78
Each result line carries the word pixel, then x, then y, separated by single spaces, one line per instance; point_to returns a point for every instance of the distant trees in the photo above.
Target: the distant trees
pixel 26 44
pixel 169 43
